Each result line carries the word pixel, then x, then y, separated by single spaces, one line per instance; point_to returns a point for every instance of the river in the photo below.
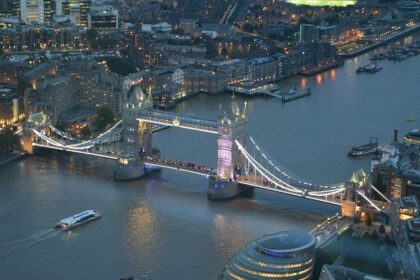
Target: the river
pixel 163 226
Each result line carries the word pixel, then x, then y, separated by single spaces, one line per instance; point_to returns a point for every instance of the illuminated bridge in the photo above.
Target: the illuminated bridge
pixel 241 162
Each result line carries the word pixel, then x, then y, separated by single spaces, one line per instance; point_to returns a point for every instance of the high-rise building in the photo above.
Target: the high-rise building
pixel 103 18
pixel 59 7
pixel 308 33
pixel 34 11
pixel 49 8
pixel 85 7
pixel 76 10
pixel 16 8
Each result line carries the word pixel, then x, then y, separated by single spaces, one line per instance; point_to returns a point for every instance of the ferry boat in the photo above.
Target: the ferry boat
pixel 78 219
pixel 365 149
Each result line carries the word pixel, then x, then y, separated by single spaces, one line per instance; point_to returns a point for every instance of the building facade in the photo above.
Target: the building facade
pixel 281 255
pixel 405 225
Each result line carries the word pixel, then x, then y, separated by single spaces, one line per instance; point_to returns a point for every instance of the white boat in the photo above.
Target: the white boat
pixel 78 219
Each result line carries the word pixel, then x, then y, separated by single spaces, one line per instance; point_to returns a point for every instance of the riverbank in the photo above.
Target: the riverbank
pixel 8 158
pixel 381 42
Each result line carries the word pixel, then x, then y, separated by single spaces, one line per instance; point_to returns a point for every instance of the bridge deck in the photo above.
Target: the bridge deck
pixel 97 153
pixel 262 183
pixel 179 165
pixel 173 119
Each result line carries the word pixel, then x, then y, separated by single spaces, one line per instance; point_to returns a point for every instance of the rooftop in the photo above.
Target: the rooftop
pixel 409 202
pixel 414 224
pixel 38 71
pixel 188 21
pixel 284 241
pixel 335 272
pixel 7 94
pixel 262 60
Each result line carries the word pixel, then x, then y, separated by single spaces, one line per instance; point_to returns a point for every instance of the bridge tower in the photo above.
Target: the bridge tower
pixel 230 164
pixel 357 182
pixel 38 121
pixel 137 136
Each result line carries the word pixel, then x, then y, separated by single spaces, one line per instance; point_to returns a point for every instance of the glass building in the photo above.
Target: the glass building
pixel 280 255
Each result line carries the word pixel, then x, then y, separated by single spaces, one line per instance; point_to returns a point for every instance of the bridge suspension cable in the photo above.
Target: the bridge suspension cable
pixel 112 134
pixel 289 176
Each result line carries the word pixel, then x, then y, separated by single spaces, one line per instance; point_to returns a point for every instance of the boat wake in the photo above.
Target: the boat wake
pixel 5 208
pixel 25 243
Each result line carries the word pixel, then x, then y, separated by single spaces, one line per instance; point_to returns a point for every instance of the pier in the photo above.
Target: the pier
pixel 288 98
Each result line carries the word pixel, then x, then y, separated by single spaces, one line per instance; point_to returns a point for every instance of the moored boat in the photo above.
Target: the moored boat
pixel 364 149
pixel 373 67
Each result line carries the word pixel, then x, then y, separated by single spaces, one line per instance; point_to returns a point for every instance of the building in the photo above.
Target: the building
pixel 11 106
pixel 9 23
pixel 236 70
pixel 103 18
pixel 188 25
pixel 281 255
pixel 58 36
pixel 11 71
pixel 205 81
pixel 76 10
pixel 405 225
pixel 396 172
pixel 75 92
pixel 35 11
pixel 216 30
pixel 152 28
pixel 334 272
pixel 263 70
pixel 307 33
pixel 39 73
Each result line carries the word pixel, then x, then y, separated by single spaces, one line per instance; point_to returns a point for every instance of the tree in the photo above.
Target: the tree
pixel 369 221
pixel 178 31
pixel 248 27
pixel 8 141
pixel 303 21
pixel 382 229
pixel 85 132
pixel 120 66
pixel 104 117
pixel 288 34
pixel 91 34
pixel 211 49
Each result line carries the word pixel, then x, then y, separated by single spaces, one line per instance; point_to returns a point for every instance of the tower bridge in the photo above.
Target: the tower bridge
pixel 241 163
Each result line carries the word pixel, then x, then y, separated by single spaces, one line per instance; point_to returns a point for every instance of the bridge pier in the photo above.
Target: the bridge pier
pixel 129 168
pixel 224 189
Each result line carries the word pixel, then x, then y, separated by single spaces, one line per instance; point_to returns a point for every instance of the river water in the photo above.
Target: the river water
pixel 163 226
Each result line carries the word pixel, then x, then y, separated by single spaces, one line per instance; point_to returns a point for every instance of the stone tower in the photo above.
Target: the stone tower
pixel 230 163
pixel 137 135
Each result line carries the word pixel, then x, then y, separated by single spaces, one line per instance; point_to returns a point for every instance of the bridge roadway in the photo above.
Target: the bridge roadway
pixel 262 183
pixel 179 165
pixel 173 119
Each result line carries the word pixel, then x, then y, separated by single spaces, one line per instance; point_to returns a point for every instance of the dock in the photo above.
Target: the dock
pixel 288 98
pixel 270 90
